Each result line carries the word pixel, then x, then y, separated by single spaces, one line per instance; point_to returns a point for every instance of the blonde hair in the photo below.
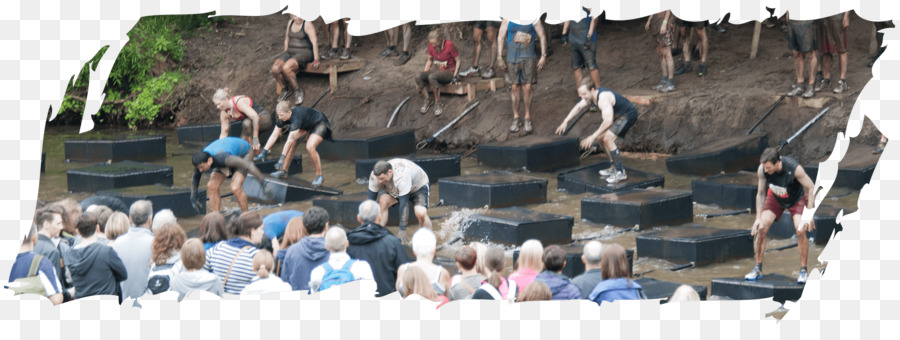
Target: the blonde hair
pixel 293 233
pixel 283 106
pixel 536 291
pixel 480 251
pixel 416 282
pixel 531 255
pixel 221 94
pixel 263 262
pixel 193 254
pixel 116 225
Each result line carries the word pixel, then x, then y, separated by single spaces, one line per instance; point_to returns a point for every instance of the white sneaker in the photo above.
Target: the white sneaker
pixel 617 177
pixel 753 275
pixel 801 279
pixel 607 172
pixel 472 70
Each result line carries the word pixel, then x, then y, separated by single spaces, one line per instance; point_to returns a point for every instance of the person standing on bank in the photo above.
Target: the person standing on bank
pixel 582 39
pixel 302 121
pixel 399 181
pixel 783 185
pixel 522 68
pixel 227 157
pixel 300 47
pixel 618 113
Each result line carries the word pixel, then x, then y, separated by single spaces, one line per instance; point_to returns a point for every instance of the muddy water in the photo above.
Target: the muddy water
pixel 446 219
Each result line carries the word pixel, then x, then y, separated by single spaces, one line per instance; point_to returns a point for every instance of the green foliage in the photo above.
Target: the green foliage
pixel 144 107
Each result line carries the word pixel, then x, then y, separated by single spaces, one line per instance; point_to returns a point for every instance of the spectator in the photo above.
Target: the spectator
pixel 95 267
pixel 134 249
pixel 480 252
pixel 802 42
pixel 522 70
pixel 616 284
pixel 661 32
pixel 335 29
pixel 376 245
pixel 35 273
pixel 497 287
pixel 302 257
pixel 832 39
pixel 49 224
pixel 424 245
pixel 165 257
pixel 162 217
pixel 275 223
pixel 529 264
pixel 193 256
pixel 442 54
pixel 265 282
pixel 560 286
pixel 293 233
pixel 102 212
pixel 538 291
pixel 70 219
pixel 116 225
pixel 212 229
pixel 477 32
pixel 684 293
pixel 322 277
pixel 300 47
pixel 591 256
pixel 582 39
pixel 232 260
pixel 415 286
pixel 463 285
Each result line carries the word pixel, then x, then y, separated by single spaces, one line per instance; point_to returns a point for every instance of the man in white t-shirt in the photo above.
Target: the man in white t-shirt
pixel 400 181
pixel 336 243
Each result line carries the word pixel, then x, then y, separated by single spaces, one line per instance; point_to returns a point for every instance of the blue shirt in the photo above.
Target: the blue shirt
pixel 230 145
pixel 46 272
pixel 519 51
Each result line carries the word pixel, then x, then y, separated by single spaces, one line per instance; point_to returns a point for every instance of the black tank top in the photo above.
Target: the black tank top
pixel 785 187
pixel 623 106
pixel 298 41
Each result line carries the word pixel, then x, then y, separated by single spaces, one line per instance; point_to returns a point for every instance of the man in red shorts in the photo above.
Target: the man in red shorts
pixel 833 40
pixel 783 185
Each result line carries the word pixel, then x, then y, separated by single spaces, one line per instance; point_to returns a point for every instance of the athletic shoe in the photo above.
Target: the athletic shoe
pixel 488 74
pixel 823 84
pixel 298 97
pixel 841 86
pixel 685 68
pixel 438 109
pixel 618 177
pixel 284 95
pixel 404 57
pixel 401 234
pixel 318 181
pixel 879 148
pixel 818 78
pixel 593 108
pixel 669 87
pixel 425 106
pixel 280 174
pixel 330 54
pixel 388 52
pixel 515 125
pixel 754 274
pixel 810 92
pixel 662 83
pixel 471 71
pixel 528 127
pixel 702 70
pixel 720 29
pixel 608 172
pixel 345 53
pixel 801 279
pixel 798 89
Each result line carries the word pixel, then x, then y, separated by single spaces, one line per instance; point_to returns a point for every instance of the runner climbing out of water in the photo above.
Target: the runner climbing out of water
pixel 400 181
pixel 240 108
pixel 301 121
pixel 783 185
pixel 228 157
pixel 618 114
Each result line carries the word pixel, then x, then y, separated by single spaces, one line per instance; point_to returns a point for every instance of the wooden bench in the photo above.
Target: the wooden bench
pixel 469 89
pixel 332 67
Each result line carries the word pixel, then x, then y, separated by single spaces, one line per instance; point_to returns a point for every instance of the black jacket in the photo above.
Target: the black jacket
pixel 96 270
pixel 384 252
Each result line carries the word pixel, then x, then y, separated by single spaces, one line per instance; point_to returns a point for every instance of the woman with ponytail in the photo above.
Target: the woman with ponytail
pixel 265 281
pixel 496 287
pixel 241 109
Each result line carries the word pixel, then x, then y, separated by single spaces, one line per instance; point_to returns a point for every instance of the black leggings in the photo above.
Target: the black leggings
pixel 433 79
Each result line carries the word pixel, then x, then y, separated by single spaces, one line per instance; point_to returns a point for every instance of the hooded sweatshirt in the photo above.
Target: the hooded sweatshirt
pixel 560 286
pixel 616 289
pixel 199 279
pixel 96 270
pixel 382 250
pixel 301 259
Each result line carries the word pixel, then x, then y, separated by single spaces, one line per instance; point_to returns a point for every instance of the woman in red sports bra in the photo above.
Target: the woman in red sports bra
pixel 238 108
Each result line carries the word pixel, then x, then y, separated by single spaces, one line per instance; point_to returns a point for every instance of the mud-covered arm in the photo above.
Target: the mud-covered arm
pixel 195 183
pixel 244 164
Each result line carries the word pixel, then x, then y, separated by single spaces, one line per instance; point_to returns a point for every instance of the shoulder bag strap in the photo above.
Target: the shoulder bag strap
pixel 228 274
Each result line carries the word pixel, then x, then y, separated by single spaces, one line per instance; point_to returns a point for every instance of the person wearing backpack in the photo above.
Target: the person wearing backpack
pixel 265 281
pixel 33 273
pixel 96 268
pixel 339 268
pixel 166 257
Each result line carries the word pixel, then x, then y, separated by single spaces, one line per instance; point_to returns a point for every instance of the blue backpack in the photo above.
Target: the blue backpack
pixel 334 277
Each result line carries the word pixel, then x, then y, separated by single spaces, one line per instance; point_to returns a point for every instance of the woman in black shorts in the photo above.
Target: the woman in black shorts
pixel 300 47
pixel 301 121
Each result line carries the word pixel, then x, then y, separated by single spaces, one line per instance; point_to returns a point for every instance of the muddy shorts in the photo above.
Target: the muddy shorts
pixel 322 130
pixel 694 24
pixel 772 205
pixel 661 40
pixel 227 171
pixel 802 35
pixel 582 57
pixel 522 72
pixel 832 37
pixel 419 197
pixel 302 57
pixel 622 124
pixel 485 23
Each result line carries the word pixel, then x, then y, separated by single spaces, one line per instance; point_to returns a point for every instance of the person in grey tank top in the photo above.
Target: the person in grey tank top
pixel 300 47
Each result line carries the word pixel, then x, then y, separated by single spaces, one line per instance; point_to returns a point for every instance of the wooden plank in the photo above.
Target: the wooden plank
pixel 481 85
pixel 754 44
pixel 340 65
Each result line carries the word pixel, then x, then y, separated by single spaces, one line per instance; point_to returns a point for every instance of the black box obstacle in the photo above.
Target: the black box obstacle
pixel 495 190
pixel 586 179
pixel 118 175
pixel 696 243
pixel 162 197
pixel 854 170
pixel 728 155
pixel 515 225
pixel 342 209
pixel 735 191
pixel 268 166
pixel 535 153
pixel 779 287
pixel 826 225
pixel 201 135
pixel 135 148
pixel 642 207
pixel 574 266
pixel 436 166
pixel 284 190
pixel 656 289
pixel 369 143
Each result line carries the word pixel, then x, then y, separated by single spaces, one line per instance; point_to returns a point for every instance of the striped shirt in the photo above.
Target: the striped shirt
pixel 46 272
pixel 220 257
